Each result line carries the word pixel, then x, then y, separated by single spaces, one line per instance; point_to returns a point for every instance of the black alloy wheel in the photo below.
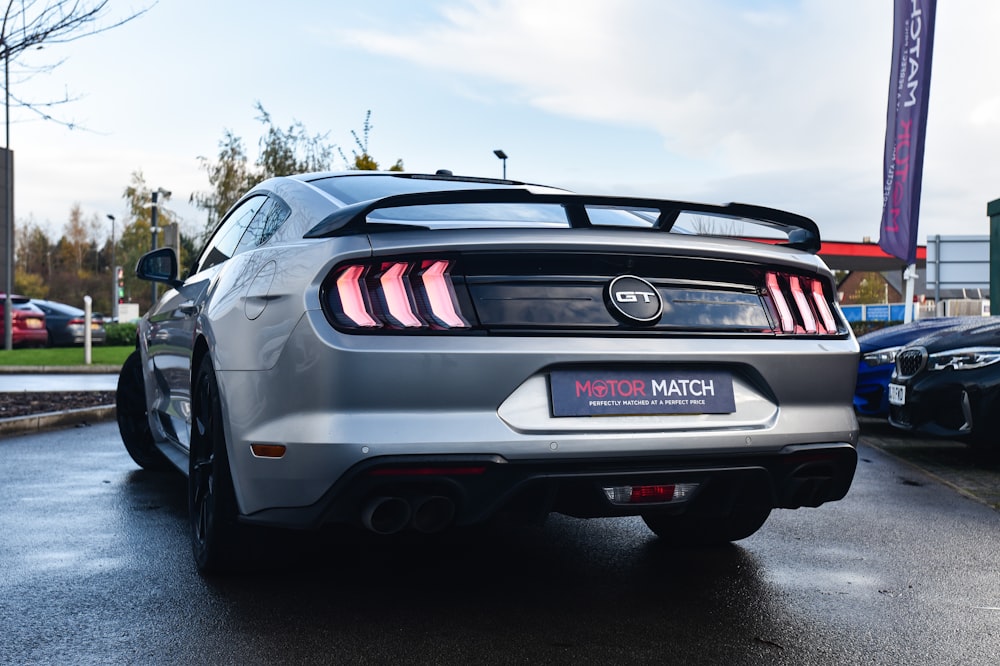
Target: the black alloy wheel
pixel 133 418
pixel 215 534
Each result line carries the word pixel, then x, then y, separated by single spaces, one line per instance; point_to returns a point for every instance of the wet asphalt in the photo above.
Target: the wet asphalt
pixel 97 569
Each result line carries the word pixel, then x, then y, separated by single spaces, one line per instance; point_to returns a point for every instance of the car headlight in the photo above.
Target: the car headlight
pixel 881 356
pixel 964 359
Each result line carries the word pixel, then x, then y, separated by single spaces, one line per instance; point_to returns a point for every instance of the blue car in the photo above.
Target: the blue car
pixel 878 358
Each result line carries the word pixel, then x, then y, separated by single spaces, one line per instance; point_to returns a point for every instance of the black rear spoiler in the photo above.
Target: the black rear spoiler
pixel 801 231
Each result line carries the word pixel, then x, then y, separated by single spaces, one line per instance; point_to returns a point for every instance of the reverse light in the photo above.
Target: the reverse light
pixel 969 358
pixel 650 494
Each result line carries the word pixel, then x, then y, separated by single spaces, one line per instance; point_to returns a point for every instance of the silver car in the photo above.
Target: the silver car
pixel 418 352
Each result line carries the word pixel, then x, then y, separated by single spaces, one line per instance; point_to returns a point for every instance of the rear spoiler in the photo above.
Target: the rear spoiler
pixel 802 232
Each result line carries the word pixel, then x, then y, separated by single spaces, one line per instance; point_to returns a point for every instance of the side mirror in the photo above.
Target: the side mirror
pixel 159 266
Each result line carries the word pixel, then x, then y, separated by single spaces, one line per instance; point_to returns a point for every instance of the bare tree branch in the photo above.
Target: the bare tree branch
pixel 29 24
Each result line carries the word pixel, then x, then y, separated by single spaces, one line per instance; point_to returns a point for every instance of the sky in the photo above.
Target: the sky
pixel 780 103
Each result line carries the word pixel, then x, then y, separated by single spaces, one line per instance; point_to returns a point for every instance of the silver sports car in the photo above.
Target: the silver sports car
pixel 418 352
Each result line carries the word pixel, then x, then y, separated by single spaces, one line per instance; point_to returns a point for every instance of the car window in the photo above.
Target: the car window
pixel 265 222
pixel 227 237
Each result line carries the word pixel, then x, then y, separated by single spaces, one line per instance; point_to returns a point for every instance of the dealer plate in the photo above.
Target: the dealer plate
pixel 620 393
pixel 897 394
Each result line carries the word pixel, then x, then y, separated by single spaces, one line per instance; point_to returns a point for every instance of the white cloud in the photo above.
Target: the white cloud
pixel 769 90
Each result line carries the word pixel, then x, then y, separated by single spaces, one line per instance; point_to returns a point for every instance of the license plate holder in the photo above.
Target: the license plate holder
pixel 640 392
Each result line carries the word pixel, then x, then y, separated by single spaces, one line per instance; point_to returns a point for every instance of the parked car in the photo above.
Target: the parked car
pixel 948 384
pixel 415 352
pixel 66 324
pixel 27 322
pixel 878 359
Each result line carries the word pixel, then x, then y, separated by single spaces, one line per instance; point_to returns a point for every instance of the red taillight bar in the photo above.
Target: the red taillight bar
pixel 808 321
pixel 784 313
pixel 825 313
pixel 398 295
pixel 350 288
pixel 811 314
pixel 441 295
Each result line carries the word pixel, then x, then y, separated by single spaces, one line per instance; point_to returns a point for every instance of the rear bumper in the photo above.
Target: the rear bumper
pixel 482 486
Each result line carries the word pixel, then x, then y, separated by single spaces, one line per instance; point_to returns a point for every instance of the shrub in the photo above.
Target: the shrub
pixel 120 335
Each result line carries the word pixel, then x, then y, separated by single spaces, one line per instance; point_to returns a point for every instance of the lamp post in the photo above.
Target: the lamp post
pixel 114 273
pixel 153 231
pixel 503 158
pixel 8 216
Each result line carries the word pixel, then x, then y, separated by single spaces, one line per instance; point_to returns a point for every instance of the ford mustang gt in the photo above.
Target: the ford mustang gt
pixel 406 352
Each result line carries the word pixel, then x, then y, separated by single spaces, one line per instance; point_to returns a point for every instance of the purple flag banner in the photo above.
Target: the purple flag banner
pixel 906 126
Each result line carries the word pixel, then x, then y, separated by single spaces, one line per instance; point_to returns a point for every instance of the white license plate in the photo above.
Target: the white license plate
pixel 897 394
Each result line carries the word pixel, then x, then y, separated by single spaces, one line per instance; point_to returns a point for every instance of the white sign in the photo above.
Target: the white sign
pixel 128 312
pixel 958 262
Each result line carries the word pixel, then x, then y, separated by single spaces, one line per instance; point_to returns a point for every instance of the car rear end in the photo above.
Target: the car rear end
pixel 440 376
pixel 27 323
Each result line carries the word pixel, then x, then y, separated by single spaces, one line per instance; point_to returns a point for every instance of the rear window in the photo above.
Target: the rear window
pixel 355 189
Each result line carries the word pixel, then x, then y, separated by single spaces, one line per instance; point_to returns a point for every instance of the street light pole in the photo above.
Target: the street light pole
pixel 153 231
pixel 8 315
pixel 503 158
pixel 152 244
pixel 114 272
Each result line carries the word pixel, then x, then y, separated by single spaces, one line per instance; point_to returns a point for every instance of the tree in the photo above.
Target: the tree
pixel 281 152
pixel 136 237
pixel 871 289
pixel 230 176
pixel 75 237
pixel 363 161
pixel 32 249
pixel 31 24
pixel 284 152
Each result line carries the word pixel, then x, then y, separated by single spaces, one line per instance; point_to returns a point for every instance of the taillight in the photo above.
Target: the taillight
pixel 396 295
pixel 798 305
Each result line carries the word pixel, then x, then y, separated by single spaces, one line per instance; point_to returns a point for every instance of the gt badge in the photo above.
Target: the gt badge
pixel 632 300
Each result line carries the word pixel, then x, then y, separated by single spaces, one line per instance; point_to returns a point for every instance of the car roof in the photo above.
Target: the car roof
pixel 56 305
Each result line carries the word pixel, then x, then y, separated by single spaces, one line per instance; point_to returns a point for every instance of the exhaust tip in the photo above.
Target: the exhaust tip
pixel 386 515
pixel 433 514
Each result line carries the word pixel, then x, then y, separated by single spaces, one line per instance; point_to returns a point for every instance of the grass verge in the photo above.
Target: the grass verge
pixel 65 356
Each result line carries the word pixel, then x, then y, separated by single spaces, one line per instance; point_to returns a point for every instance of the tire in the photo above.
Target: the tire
pixel 215 534
pixel 700 530
pixel 133 418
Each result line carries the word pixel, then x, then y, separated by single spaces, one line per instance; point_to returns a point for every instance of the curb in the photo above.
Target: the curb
pixel 20 425
pixel 60 369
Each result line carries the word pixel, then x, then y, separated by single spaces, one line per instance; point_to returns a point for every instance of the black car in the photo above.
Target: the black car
pixel 948 384
pixel 65 324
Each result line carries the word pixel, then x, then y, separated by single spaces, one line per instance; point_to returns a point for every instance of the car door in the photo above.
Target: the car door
pixel 174 322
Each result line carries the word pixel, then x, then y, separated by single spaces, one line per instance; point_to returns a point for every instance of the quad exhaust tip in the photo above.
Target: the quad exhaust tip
pixel 426 514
